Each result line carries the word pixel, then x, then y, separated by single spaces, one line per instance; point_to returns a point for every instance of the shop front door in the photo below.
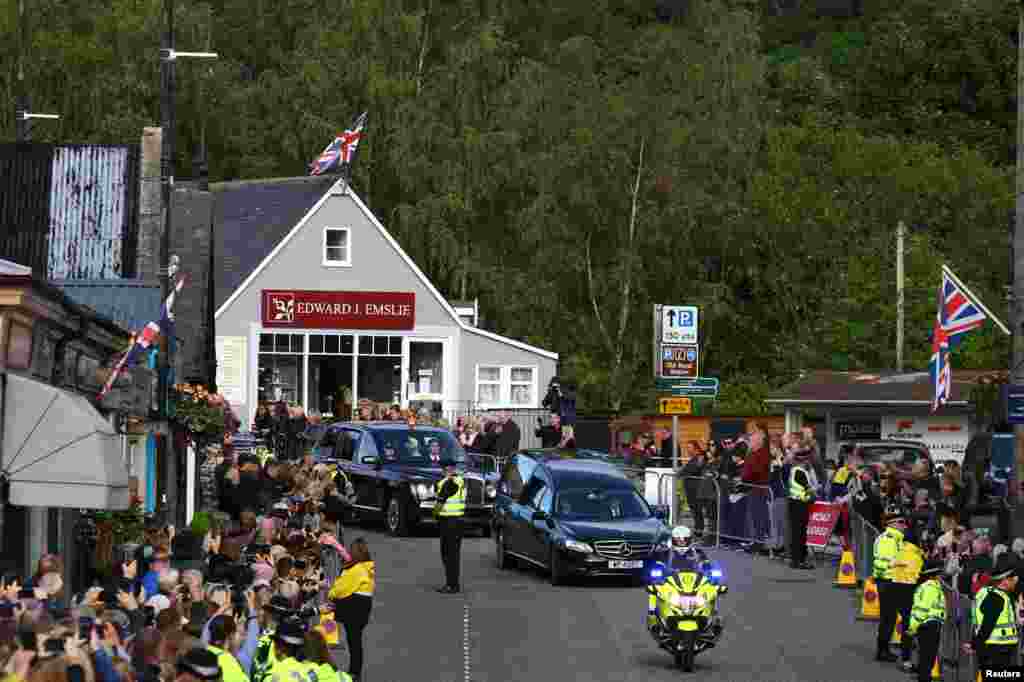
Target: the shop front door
pixel 425 381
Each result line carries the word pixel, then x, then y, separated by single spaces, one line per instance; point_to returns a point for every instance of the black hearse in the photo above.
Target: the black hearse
pixel 575 516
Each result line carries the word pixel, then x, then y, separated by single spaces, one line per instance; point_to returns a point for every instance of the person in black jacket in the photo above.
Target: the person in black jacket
pixel 551 434
pixel 508 439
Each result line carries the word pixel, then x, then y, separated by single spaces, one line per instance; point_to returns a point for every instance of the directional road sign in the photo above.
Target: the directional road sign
pixel 695 392
pixel 675 406
pixel 701 382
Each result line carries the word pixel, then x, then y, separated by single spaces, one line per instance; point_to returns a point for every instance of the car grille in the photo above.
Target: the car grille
pixel 474 491
pixel 617 549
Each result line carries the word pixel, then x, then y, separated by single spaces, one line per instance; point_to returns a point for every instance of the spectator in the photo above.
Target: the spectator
pixel 817 461
pixel 352 596
pixel 508 440
pixel 550 434
pixel 568 440
pixel 756 473
pixel 693 474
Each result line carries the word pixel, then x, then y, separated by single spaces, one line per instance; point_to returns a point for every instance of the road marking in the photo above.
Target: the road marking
pixel 465 638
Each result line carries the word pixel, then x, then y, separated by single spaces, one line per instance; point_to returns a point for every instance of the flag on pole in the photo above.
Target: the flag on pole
pixel 958 313
pixel 341 152
pixel 145 339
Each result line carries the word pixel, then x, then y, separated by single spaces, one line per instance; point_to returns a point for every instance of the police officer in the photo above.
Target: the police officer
pixel 801 489
pixel 927 618
pixel 222 631
pixel 449 509
pixel 266 655
pixel 289 641
pixel 887 547
pixel 197 665
pixel 995 619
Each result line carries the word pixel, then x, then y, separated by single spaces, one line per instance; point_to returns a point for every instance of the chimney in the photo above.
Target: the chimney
pixel 147 264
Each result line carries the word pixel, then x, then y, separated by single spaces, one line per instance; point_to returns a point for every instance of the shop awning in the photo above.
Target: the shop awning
pixel 58 450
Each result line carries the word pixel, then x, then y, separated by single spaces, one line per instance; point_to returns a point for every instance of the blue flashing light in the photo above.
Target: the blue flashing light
pixel 715 573
pixel 656 573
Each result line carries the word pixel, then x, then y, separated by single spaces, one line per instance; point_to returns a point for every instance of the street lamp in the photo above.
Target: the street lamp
pixel 168 58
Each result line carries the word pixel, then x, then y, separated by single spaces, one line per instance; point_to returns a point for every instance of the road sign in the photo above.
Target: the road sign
pixel 675 406
pixel 679 324
pixel 678 361
pixel 1013 398
pixel 695 391
pixel 701 382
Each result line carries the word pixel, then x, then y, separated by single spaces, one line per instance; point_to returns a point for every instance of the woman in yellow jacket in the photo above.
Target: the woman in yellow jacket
pixel 352 596
pixel 905 571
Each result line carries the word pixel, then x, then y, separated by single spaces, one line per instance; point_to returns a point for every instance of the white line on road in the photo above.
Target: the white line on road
pixel 465 638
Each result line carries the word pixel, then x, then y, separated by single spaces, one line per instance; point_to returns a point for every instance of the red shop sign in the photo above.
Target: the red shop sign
pixel 291 309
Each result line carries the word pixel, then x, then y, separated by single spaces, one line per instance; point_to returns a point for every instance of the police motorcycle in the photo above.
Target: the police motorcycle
pixel 682 610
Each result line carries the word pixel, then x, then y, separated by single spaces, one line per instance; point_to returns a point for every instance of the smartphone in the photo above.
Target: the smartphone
pixel 85 626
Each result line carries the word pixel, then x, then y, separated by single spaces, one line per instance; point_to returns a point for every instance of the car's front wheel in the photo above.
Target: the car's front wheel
pixel 555 568
pixel 396 515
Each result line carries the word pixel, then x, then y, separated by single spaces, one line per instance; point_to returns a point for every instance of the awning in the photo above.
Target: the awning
pixel 58 450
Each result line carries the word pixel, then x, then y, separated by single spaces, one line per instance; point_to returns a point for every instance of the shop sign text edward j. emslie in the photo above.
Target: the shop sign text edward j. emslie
pixel 300 309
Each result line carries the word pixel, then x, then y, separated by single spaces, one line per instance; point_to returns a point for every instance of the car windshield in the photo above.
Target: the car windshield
pixel 897 456
pixel 584 504
pixel 426 447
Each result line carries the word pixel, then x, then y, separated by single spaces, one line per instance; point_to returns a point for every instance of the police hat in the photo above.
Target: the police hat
pixel 200 663
pixel 279 606
pixel 291 632
pixel 932 568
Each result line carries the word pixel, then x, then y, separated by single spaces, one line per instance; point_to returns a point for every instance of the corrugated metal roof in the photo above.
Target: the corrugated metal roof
pixel 25 175
pixel 88 212
pixel 129 302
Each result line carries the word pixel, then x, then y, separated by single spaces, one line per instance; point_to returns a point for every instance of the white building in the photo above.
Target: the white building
pixel 317 304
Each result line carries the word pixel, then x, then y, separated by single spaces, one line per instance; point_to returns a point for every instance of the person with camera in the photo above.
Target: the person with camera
pixel 223 639
pixel 551 434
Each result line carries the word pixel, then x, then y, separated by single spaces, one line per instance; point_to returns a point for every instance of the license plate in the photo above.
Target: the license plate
pixel 625 564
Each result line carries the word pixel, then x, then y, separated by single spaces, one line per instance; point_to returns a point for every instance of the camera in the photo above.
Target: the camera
pixel 308 611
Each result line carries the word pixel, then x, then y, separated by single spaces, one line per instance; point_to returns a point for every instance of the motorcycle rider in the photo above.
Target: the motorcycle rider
pixel 685 558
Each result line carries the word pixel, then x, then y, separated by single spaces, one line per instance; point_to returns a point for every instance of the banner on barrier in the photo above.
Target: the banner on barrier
pixel 821 523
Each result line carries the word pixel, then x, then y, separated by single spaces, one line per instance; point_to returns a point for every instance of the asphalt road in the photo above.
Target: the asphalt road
pixel 512 626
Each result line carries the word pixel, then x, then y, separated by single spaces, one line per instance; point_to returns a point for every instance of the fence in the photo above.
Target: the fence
pixel 694 498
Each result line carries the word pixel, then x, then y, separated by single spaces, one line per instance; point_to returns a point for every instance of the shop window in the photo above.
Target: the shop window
pixel 488 385
pixel 380 379
pixel 42 360
pixel 380 345
pixel 331 344
pixel 280 375
pixel 522 389
pixel 330 383
pixel 19 347
pixel 337 249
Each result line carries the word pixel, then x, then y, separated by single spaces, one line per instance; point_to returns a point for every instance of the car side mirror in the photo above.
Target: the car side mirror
pixel 540 516
pixel 661 512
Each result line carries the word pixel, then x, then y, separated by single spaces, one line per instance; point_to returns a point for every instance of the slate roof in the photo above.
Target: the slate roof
pixel 251 217
pixel 131 303
pixel 827 387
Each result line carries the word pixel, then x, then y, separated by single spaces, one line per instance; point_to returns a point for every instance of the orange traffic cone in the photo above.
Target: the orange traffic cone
pixel 897 632
pixel 847 576
pixel 869 601
pixel 936 670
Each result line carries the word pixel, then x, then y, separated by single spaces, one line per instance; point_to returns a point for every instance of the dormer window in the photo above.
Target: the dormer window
pixel 337 247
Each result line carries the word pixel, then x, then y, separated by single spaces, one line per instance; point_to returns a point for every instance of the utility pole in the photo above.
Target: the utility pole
pixel 168 58
pixel 900 230
pixel 1017 264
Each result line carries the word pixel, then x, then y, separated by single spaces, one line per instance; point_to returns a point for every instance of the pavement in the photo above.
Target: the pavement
pixel 513 626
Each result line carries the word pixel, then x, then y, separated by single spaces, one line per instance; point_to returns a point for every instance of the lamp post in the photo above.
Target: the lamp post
pixel 168 58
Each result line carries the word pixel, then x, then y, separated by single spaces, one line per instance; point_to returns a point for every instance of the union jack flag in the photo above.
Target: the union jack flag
pixel 341 151
pixel 957 315
pixel 144 340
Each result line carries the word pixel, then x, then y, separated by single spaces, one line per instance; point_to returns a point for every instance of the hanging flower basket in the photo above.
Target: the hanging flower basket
pixel 202 414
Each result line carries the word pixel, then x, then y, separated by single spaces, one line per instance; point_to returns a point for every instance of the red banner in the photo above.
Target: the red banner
pixel 293 309
pixel 821 523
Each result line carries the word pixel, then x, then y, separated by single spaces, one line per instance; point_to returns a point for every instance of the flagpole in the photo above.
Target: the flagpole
pixel 975 300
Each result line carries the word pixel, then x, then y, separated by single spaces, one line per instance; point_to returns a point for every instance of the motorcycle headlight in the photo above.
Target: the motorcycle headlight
pixel 491 491
pixel 422 491
pixel 576 546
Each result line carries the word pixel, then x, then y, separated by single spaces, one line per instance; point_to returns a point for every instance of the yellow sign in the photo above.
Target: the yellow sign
pixel 675 406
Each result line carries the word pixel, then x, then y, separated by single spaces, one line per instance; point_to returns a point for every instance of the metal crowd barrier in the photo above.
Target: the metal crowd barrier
pixel 489 464
pixel 671 493
pixel 747 514
pixel 862 537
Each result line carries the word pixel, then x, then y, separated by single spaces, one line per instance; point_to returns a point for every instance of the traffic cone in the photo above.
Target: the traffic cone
pixel 869 601
pixel 936 670
pixel 897 632
pixel 847 576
